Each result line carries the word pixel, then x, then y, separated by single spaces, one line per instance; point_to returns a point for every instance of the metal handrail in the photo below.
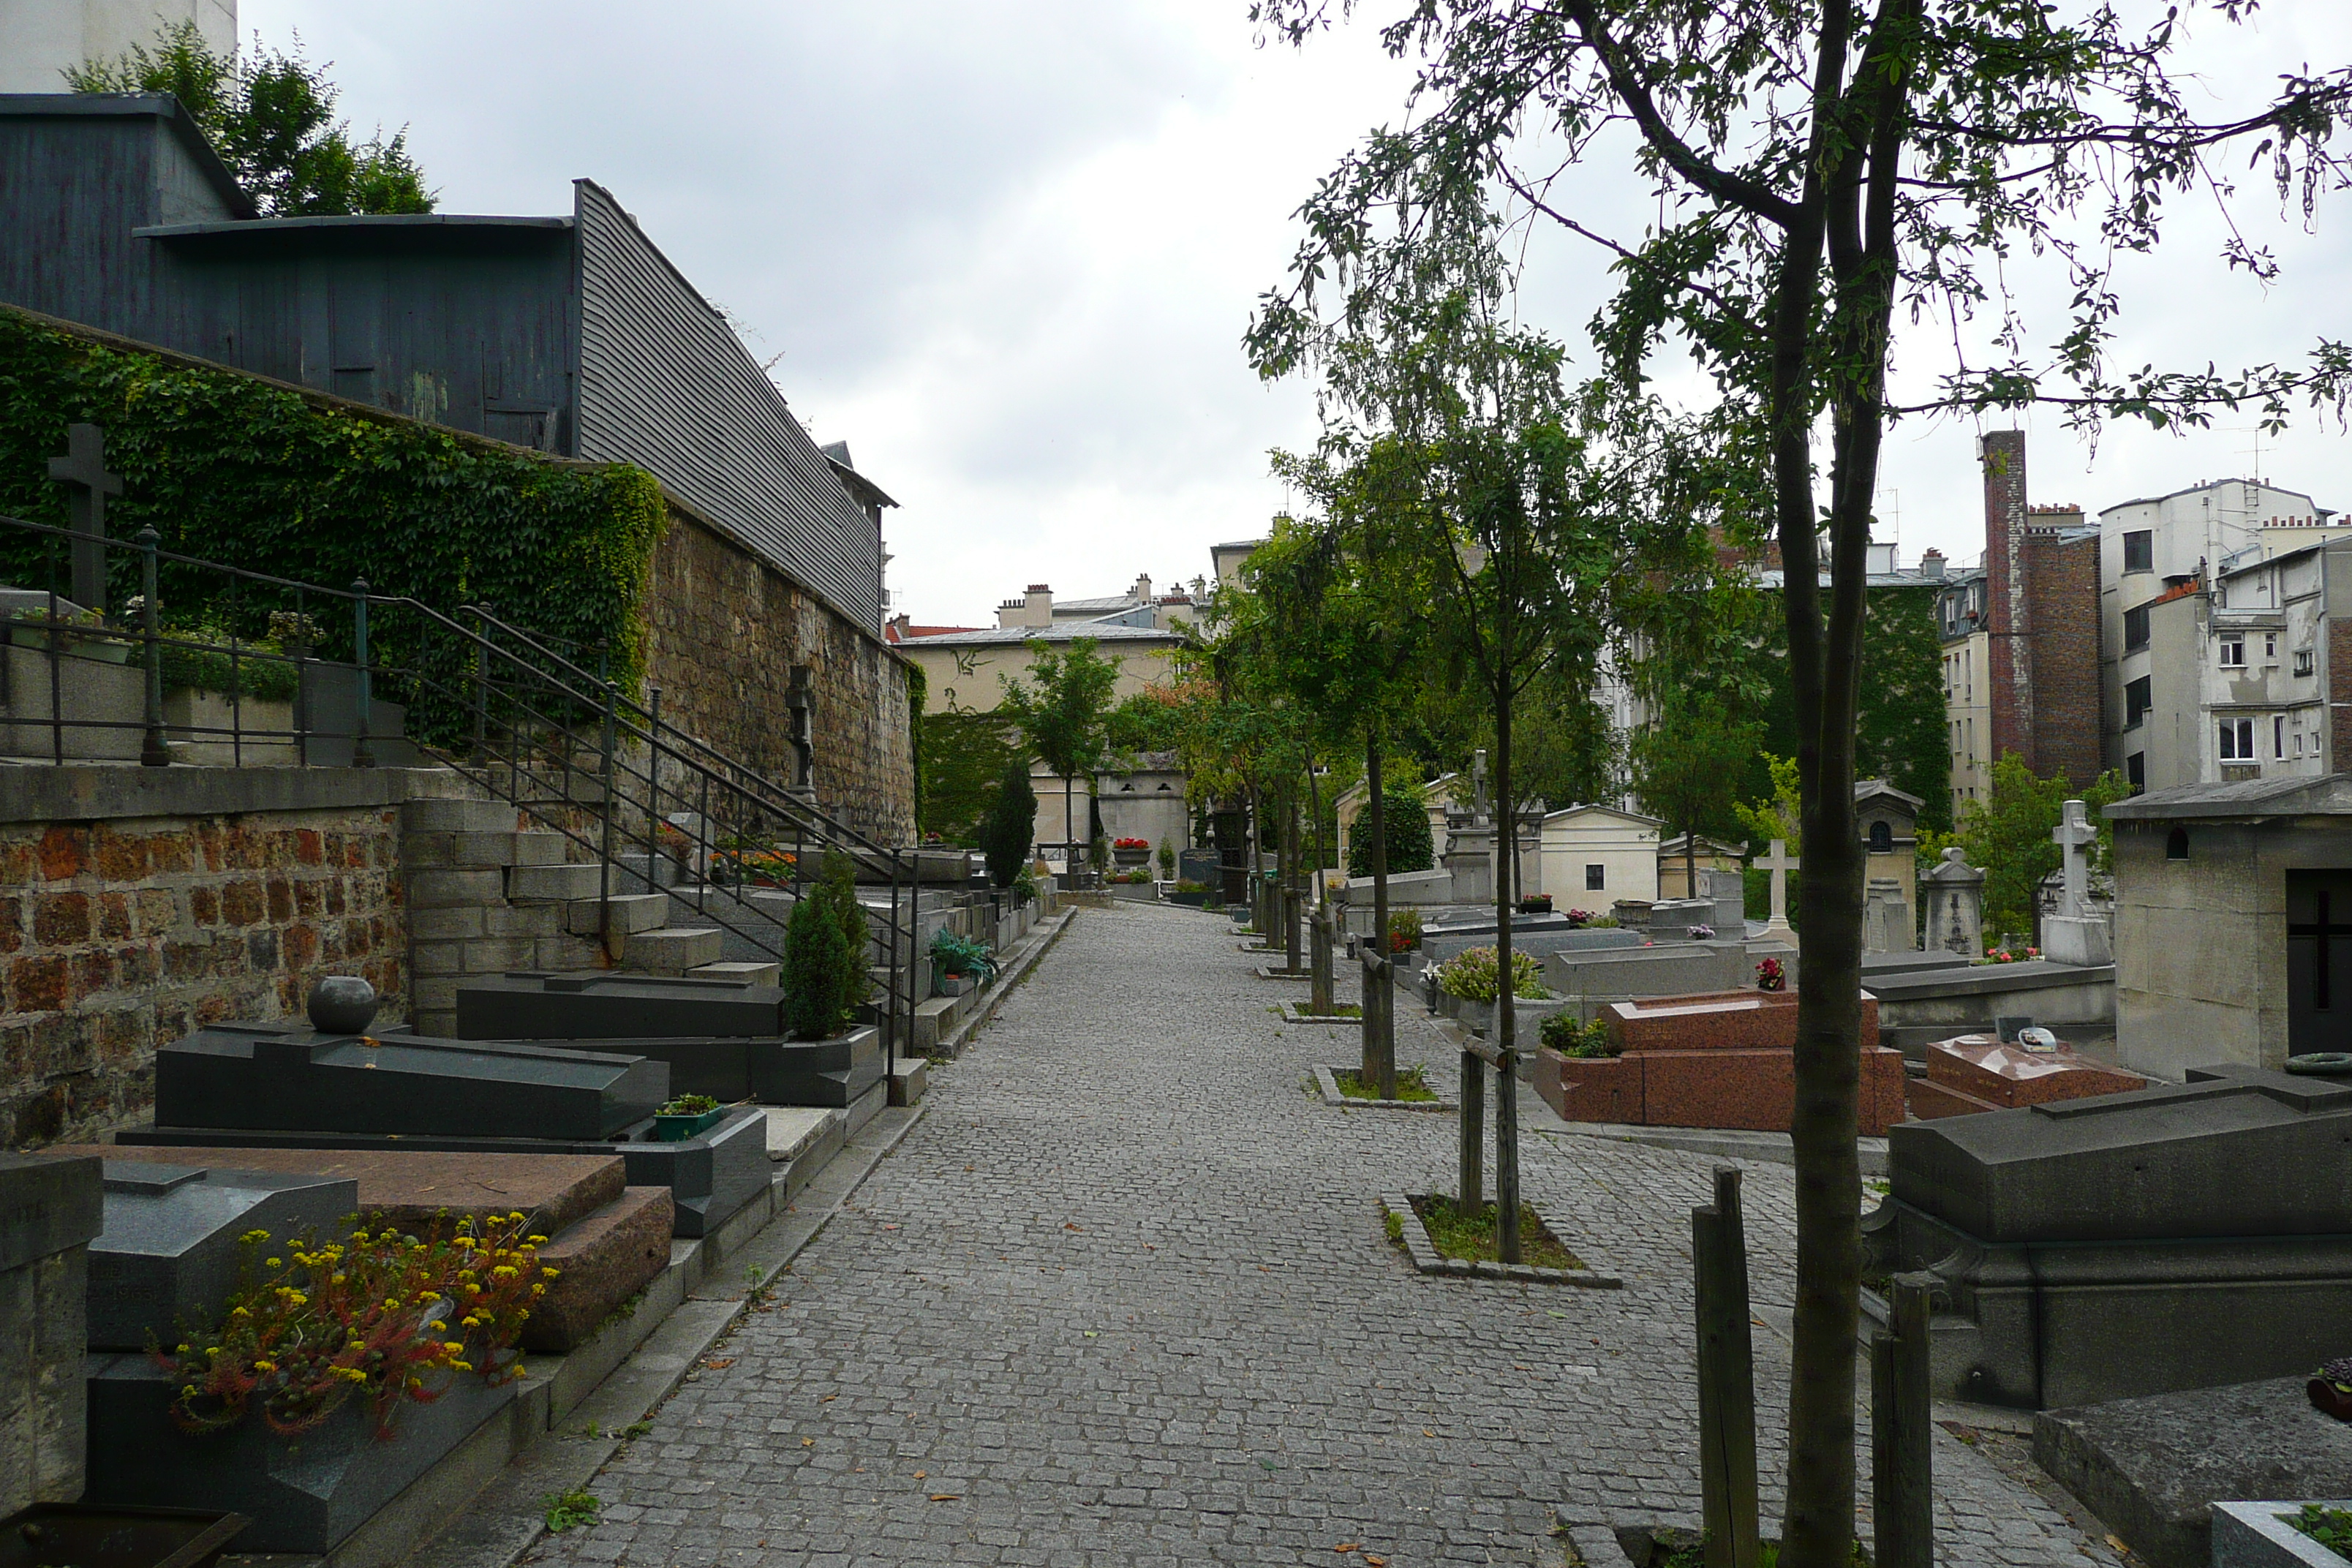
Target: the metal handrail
pixel 546 698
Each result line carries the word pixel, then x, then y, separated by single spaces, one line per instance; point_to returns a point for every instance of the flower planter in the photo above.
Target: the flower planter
pixel 1131 857
pixel 674 1129
pixel 54 1533
pixel 102 647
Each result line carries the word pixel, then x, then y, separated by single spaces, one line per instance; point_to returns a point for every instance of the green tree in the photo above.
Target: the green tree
pixel 1687 764
pixel 1815 163
pixel 1011 825
pixel 962 757
pixel 1900 731
pixel 1060 713
pixel 271 116
pixel 2007 837
pixel 816 954
pixel 1406 820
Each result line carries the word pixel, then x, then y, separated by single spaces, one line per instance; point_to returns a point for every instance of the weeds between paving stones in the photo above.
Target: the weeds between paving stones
pixel 573 1510
pixel 1471 1236
pixel 1412 1085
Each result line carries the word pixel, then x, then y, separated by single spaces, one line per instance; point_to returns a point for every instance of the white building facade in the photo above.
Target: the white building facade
pixel 40 40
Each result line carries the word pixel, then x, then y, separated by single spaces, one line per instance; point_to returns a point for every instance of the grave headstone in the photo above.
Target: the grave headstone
pixel 769 1070
pixel 50 1207
pixel 170 1256
pixel 82 472
pixel 2213 1217
pixel 1887 918
pixel 1955 900
pixel 1201 866
pixel 290 1077
pixel 1728 891
pixel 2074 934
pixel 1670 919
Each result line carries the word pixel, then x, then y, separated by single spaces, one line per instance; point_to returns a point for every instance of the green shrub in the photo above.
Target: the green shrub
pixel 816 959
pixel 1563 1034
pixel 836 887
pixel 1006 832
pixel 1406 823
pixel 1474 976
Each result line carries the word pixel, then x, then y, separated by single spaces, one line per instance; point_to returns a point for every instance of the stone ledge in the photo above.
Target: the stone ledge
pixel 1297 1013
pixel 76 791
pixel 1272 972
pixel 1329 1086
pixel 1427 1260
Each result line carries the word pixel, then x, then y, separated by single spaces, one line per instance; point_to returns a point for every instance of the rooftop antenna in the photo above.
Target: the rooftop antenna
pixel 2256 452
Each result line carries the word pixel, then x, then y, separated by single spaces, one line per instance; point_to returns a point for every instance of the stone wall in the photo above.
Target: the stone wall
pixel 137 905
pixel 725 630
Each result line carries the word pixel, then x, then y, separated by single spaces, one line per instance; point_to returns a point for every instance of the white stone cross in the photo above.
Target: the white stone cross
pixel 2074 835
pixel 1780 862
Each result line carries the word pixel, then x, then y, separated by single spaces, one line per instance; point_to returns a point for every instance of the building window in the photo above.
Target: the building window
pixel 2233 653
pixel 1596 878
pixel 2270 648
pixel 1882 839
pixel 2135 628
pixel 2176 847
pixel 2302 661
pixel 2139 551
pixel 2278 735
pixel 2237 740
pixel 2136 771
pixel 2137 700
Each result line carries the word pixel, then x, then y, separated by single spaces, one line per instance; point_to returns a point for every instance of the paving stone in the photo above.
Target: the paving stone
pixel 1124 1297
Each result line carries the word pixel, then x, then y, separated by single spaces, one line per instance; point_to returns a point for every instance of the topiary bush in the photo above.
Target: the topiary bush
pixel 817 961
pixel 1006 832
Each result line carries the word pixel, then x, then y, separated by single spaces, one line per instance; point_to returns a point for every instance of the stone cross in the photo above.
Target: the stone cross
pixel 1780 862
pixel 82 471
pixel 1479 784
pixel 2074 835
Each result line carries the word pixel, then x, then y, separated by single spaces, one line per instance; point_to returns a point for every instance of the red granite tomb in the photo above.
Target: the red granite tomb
pixel 1970 1073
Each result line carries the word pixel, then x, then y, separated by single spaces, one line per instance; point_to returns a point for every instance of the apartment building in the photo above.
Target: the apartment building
pixel 2157 553
pixel 1967 684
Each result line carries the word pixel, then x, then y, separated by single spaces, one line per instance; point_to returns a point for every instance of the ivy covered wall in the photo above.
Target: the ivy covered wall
pixel 252 473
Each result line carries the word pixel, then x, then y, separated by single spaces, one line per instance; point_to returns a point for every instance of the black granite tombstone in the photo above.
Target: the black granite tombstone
pixel 532 1006
pixel 170 1256
pixel 290 1077
pixel 2213 1218
pixel 770 1071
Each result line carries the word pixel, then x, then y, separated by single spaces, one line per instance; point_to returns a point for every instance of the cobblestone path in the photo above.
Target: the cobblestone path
pixel 1123 1297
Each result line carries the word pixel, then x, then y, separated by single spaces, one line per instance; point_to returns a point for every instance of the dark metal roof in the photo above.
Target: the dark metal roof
pixel 160 106
pixel 1061 631
pixel 2325 794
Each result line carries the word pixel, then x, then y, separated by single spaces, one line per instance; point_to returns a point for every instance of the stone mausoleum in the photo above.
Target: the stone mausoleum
pixel 2233 923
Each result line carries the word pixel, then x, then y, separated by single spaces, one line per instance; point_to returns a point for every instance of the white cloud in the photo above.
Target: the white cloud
pixel 1007 251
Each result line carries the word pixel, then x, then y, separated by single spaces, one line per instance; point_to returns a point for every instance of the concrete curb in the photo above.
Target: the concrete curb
pixel 1429 1260
pixel 1272 972
pixel 1329 1086
pixel 1297 1013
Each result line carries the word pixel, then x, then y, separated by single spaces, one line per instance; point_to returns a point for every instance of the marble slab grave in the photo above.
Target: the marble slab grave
pixel 770 1071
pixel 267 1078
pixel 1972 1073
pixel 593 1006
pixel 2212 1218
pixel 710 1177
pixel 170 1256
pixel 51 1206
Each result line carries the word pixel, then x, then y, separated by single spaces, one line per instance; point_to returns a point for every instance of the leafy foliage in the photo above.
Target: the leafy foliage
pixel 1475 974
pixel 963 758
pixel 229 467
pixel 271 116
pixel 1405 821
pixel 1060 711
pixel 825 974
pixel 1688 761
pixel 2007 837
pixel 317 1321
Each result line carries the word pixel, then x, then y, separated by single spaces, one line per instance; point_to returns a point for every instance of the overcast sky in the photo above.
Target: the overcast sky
pixel 1007 251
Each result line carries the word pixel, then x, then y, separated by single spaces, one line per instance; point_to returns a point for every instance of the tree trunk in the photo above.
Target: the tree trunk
pixel 1290 889
pixel 1319 988
pixel 1379 1039
pixel 1506 1010
pixel 1069 827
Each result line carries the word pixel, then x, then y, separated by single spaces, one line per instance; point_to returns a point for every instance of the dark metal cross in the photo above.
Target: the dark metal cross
pixel 82 471
pixel 2319 930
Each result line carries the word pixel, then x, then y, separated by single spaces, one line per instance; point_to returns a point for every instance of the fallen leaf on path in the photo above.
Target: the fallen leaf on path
pixel 1067 1225
pixel 923 1475
pixel 1345 1546
pixel 719 1363
pixel 1376 1562
pixel 947 1496
pixel 808 1442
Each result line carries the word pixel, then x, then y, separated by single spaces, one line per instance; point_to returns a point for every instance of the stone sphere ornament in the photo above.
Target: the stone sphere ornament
pixel 342 1005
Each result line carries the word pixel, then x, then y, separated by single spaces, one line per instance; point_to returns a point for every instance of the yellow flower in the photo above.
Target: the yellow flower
pixel 516 1217
pixel 415 1383
pixel 453 1347
pixel 390 1305
pixel 550 1274
pixel 255 1236
pixel 502 1272
pixel 233 1312
pixel 265 1366
pixel 183 1350
pixel 471 1323
pixel 536 1240
pixel 276 1262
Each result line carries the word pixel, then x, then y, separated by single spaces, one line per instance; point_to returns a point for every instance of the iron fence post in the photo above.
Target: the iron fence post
pixel 152 751
pixel 362 751
pixel 653 787
pixel 604 839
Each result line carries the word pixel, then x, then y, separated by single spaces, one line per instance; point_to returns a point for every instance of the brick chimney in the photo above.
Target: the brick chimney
pixel 1141 592
pixel 1037 609
pixel 1931 562
pixel 2003 455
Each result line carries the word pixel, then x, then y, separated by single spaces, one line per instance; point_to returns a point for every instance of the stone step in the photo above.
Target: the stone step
pixel 457 817
pixel 908 1078
pixel 671 949
pixel 750 972
pixel 546 883
pixel 630 913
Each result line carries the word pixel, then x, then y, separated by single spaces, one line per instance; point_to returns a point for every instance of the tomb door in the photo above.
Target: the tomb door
pixel 2319 962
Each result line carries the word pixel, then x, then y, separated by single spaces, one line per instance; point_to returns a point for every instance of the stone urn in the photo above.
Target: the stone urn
pixel 342 1005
